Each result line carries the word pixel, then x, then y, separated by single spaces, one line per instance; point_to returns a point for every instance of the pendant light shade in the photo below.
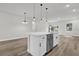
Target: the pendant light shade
pixel 24 22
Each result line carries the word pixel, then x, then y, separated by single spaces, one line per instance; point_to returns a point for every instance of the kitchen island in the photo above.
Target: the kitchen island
pixel 40 43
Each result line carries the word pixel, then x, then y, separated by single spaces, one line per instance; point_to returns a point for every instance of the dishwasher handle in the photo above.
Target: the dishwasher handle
pixel 40 44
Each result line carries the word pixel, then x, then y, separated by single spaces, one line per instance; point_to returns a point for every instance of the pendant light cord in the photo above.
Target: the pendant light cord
pixel 46 14
pixel 24 16
pixel 33 10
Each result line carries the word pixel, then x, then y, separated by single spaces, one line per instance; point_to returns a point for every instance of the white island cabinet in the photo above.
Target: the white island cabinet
pixel 55 39
pixel 37 43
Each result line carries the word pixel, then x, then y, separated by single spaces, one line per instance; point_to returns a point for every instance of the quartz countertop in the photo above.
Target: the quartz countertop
pixel 40 33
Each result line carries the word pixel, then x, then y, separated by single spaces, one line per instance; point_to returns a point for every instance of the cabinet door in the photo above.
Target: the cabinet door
pixel 42 44
pixel 34 45
pixel 55 40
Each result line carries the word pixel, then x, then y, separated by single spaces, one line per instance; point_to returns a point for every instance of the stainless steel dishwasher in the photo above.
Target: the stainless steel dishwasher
pixel 49 43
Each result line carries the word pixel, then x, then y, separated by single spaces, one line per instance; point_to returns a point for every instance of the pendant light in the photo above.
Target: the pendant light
pixel 41 11
pixel 46 14
pixel 33 22
pixel 24 22
pixel 34 12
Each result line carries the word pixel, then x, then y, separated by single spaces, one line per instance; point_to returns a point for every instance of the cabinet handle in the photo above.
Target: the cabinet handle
pixel 43 37
pixel 40 44
pixel 56 37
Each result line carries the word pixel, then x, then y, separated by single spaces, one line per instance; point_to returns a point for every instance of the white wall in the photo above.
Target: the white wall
pixel 62 26
pixel 11 27
pixel 41 27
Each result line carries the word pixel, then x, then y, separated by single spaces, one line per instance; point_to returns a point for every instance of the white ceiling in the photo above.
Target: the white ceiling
pixel 55 10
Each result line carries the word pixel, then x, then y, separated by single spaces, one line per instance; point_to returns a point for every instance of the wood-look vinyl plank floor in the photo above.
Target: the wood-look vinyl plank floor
pixel 68 46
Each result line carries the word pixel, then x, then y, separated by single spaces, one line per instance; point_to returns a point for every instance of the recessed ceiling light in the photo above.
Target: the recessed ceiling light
pixel 74 10
pixel 67 5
